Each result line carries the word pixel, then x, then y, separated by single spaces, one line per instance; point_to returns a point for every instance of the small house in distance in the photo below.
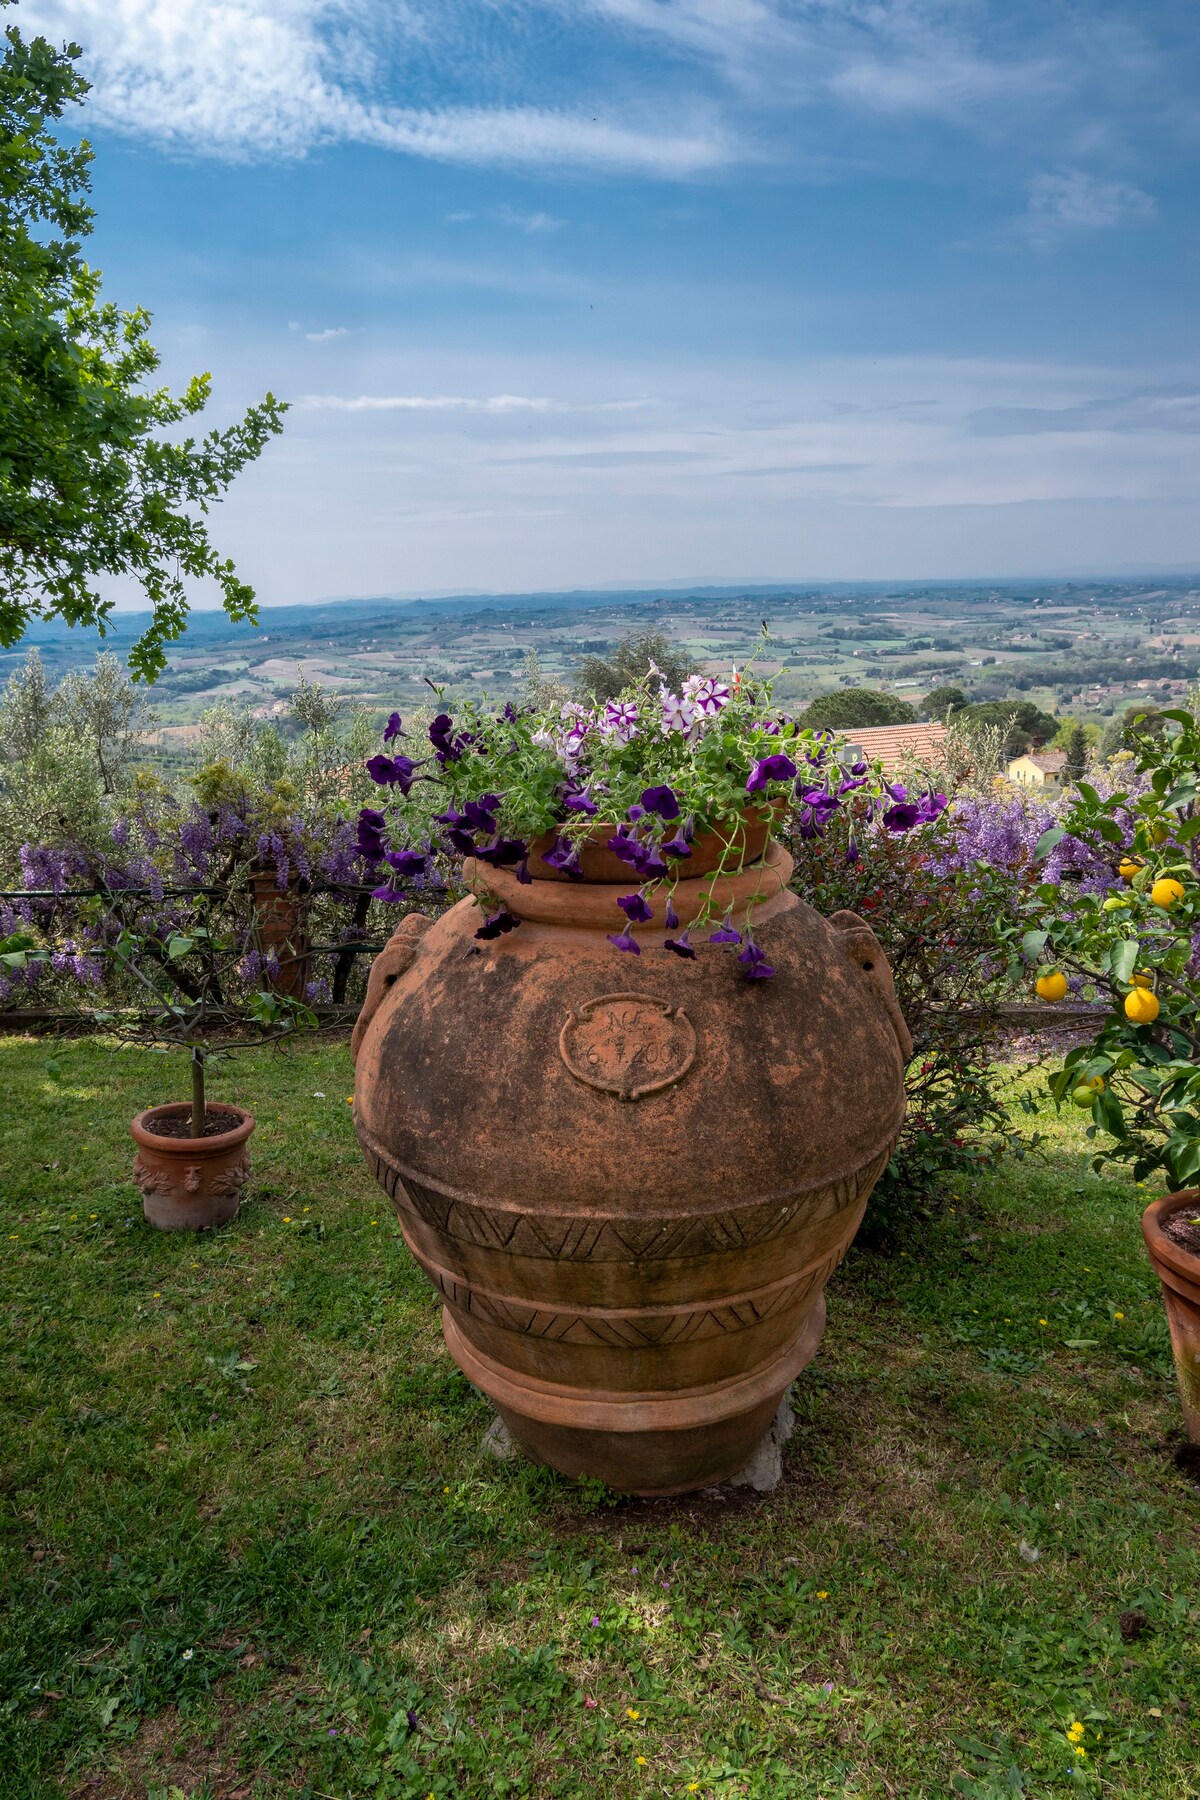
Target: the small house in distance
pixel 1041 769
pixel 892 745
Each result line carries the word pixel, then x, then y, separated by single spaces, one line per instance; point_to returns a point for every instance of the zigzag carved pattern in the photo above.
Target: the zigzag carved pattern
pixel 564 1239
pixel 634 1331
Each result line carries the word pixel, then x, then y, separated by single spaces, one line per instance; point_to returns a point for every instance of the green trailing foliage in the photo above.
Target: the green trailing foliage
pixel 96 484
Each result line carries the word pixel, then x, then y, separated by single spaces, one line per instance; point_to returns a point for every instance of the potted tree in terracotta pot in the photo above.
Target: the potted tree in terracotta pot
pixel 630 1095
pixel 188 991
pixel 1134 932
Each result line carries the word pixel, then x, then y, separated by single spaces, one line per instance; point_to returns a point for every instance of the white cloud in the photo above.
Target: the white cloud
pixel 1073 200
pixel 495 403
pixel 534 223
pixel 326 336
pixel 465 403
pixel 239 78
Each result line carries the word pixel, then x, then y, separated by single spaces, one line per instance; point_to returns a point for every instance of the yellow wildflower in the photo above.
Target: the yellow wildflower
pixel 822 1593
pixel 639 1760
pixel 1118 1316
pixel 631 1712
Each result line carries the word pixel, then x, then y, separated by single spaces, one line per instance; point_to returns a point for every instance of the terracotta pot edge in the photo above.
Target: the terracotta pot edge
pixel 193 1147
pixel 1169 1258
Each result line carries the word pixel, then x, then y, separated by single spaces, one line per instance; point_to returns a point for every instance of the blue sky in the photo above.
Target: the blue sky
pixel 567 292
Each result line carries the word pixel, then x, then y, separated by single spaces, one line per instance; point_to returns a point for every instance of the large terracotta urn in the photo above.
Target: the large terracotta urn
pixel 1177 1265
pixel 630 1177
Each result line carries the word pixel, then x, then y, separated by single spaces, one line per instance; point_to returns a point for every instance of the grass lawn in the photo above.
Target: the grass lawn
pixel 252 1546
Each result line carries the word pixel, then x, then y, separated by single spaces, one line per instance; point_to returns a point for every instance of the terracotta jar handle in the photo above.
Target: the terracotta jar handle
pixel 860 945
pixel 392 962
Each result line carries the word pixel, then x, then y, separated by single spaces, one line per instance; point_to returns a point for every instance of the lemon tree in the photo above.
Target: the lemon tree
pixel 1137 944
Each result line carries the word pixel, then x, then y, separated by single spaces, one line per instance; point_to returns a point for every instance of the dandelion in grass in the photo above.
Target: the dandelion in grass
pixel 822 1593
pixel 631 1712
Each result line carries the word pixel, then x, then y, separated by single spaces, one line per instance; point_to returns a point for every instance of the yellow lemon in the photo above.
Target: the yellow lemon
pixel 1052 987
pixel 1166 892
pixel 1115 902
pixel 1128 867
pixel 1142 978
pixel 1086 1092
pixel 1141 1006
pixel 1158 833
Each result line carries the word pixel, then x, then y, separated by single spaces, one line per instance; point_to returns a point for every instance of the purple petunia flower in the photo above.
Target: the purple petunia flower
pixel 497 924
pixel 581 802
pixel 725 934
pixel 502 852
pixel 371 826
pixel 564 856
pixel 619 720
pixel 628 849
pixel 681 946
pixel 755 966
pixel 446 747
pixel 671 920
pixel 661 800
pixel 902 816
pixel 394 728
pixel 677 846
pixel 680 713
pixel 625 941
pixel 770 768
pixel 393 771
pixel 407 863
pixel 635 908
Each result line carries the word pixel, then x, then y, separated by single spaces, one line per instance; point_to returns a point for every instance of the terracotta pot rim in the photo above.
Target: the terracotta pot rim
pixel 143 1133
pixel 592 904
pixel 749 827
pixel 1162 1248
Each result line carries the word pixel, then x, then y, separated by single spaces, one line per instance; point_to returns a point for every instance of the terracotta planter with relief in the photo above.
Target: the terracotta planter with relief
pixel 1177 1266
pixel 187 1183
pixel 281 924
pixel 630 1177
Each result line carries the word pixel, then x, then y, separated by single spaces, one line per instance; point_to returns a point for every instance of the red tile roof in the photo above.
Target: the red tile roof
pixel 893 745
